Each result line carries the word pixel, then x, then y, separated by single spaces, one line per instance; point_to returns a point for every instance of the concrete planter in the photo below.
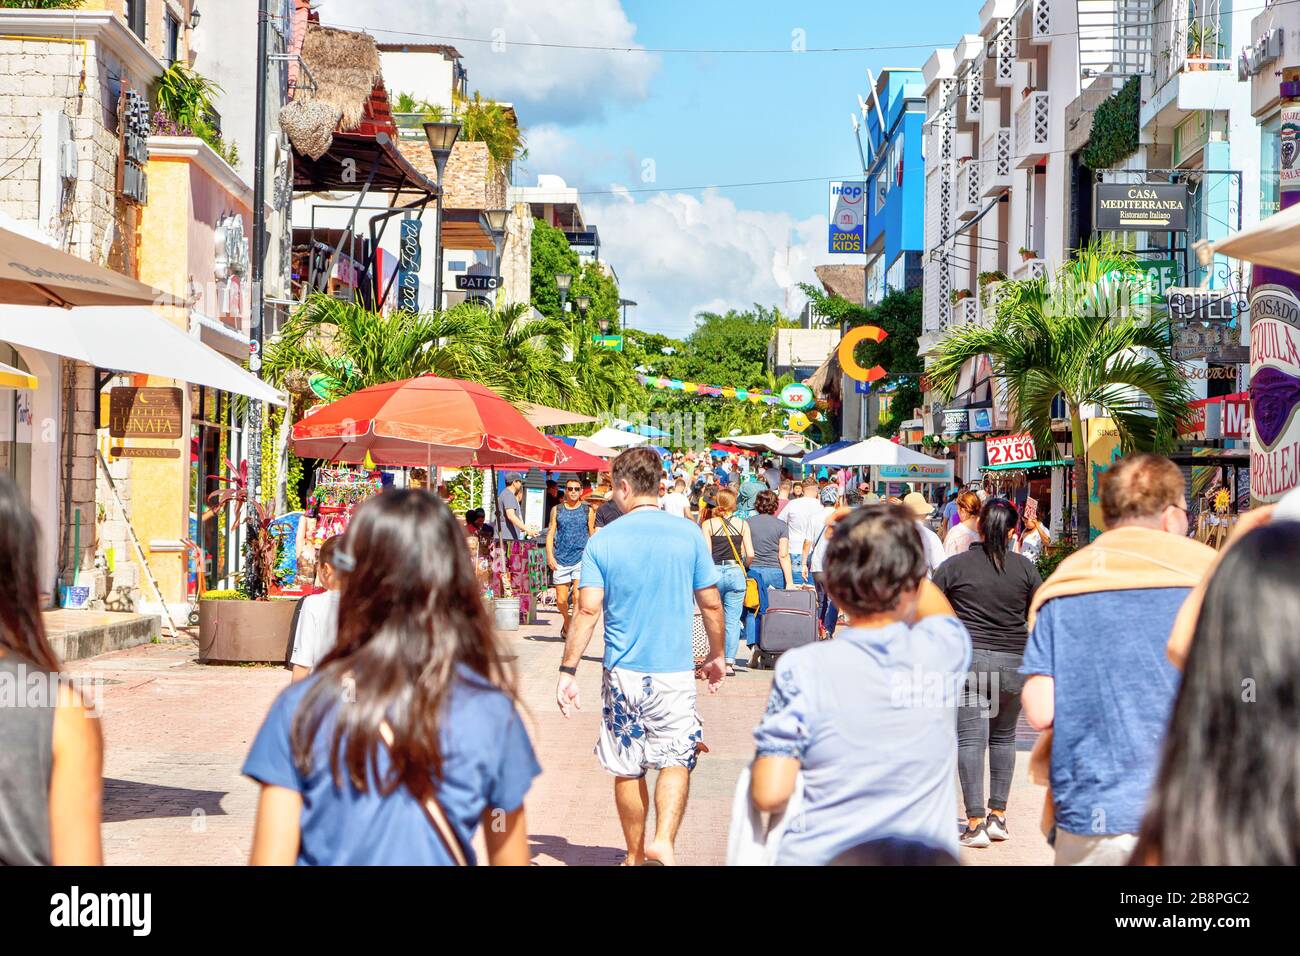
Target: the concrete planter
pixel 245 631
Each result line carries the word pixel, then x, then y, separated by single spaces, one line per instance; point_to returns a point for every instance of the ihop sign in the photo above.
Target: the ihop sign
pixel 848 217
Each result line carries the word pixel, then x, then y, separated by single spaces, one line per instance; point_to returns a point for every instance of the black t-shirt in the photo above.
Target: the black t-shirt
pixel 994 606
pixel 607 513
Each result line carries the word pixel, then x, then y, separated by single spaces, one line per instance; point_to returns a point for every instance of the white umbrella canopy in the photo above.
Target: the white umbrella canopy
pixel 876 451
pixel 128 338
pixel 591 448
pixel 767 442
pixel 1274 241
pixel 617 438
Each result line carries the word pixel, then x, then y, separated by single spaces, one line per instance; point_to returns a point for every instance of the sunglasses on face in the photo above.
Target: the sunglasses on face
pixel 573 488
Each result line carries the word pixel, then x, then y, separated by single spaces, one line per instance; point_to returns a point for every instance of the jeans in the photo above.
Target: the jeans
pixel 827 612
pixel 766 578
pixel 732 589
pixel 986 721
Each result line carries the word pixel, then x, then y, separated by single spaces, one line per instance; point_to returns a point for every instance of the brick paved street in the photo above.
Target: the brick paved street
pixel 176 733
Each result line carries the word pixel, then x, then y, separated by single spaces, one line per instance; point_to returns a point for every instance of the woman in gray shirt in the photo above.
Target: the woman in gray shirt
pixel 770 566
pixel 51 753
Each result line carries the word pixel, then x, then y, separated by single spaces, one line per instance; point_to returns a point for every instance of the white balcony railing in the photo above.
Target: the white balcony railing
pixel 966 311
pixel 995 157
pixel 1188 38
pixel 1031 269
pixel 1033 128
pixel 968 189
pixel 1040 24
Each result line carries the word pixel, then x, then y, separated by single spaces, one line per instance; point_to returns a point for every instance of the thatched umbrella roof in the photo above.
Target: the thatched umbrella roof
pixel 345 66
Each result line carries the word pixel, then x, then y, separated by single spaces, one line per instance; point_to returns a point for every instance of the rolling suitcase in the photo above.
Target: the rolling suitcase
pixel 790 621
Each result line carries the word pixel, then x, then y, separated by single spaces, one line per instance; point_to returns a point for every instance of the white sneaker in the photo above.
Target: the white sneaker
pixel 976 837
pixel 997 828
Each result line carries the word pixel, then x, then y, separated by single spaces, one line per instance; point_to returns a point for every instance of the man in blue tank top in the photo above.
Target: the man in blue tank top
pixel 571 524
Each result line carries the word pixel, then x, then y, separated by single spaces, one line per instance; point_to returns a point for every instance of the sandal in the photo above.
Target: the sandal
pixel 731 671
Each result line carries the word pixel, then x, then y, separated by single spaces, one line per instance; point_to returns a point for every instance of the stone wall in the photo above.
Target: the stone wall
pixel 469 181
pixel 516 257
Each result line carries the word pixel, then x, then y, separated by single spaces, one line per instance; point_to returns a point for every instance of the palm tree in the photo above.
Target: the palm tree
pixel 352 347
pixel 1089 335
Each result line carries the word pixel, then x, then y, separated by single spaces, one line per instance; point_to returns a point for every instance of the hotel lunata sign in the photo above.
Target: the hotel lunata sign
pixel 1153 206
pixel 1274 393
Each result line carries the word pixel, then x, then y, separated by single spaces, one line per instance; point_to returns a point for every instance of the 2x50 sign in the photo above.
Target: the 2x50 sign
pixel 145 412
pixel 1153 206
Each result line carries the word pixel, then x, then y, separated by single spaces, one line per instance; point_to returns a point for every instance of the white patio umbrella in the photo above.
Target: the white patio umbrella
pixel 767 442
pixel 617 438
pixel 876 451
pixel 1274 241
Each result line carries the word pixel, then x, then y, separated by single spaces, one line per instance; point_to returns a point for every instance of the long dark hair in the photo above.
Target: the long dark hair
pixel 1228 789
pixel 997 520
pixel 409 613
pixel 22 630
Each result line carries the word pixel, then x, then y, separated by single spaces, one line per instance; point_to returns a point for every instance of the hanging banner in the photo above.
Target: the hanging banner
pixel 764 397
pixel 1102 439
pixel 1289 174
pixel 1152 206
pixel 1011 449
pixel 847 217
pixel 797 396
pixel 1274 393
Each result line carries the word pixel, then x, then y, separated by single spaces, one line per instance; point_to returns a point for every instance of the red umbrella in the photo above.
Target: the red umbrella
pixel 420 422
pixel 569 459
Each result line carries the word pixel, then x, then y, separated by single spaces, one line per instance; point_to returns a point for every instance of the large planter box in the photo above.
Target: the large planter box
pixel 245 631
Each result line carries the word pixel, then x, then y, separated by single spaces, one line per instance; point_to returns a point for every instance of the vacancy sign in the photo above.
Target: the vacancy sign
pixel 1011 449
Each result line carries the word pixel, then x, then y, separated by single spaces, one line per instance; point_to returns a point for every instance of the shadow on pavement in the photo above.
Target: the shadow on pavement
pixel 574 854
pixel 133 800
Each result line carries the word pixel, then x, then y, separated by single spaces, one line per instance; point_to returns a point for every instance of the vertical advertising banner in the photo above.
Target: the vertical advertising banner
pixel 1288 168
pixel 848 217
pixel 408 267
pixel 1274 392
pixel 1102 438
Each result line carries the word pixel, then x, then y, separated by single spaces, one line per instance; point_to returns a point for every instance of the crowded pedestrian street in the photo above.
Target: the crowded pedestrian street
pixel 176 734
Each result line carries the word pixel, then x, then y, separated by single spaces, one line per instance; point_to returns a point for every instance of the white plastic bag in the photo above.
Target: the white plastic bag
pixel 750 841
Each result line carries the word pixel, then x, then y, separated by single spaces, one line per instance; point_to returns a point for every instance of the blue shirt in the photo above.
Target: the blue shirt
pixel 570 533
pixel 872 718
pixel 1115 689
pixel 488 763
pixel 950 513
pixel 650 564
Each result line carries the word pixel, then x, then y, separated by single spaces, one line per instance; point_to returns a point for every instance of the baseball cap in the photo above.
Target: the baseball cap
pixel 514 476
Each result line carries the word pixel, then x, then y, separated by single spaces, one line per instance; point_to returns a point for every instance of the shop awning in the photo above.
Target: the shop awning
pixel 616 438
pixel 357 160
pixel 129 339
pixel 11 377
pixel 1026 465
pixel 543 416
pixel 1274 241
pixel 32 273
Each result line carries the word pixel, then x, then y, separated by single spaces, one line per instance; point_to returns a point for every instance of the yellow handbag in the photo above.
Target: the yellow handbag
pixel 752 600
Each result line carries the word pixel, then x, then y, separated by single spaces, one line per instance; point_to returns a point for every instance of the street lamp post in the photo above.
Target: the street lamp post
pixel 442 137
pixel 562 282
pixel 583 303
pixel 625 303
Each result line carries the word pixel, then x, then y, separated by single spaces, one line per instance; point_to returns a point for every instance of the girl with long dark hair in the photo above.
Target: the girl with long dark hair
pixel 1228 790
pixel 407 736
pixel 990 587
pixel 51 751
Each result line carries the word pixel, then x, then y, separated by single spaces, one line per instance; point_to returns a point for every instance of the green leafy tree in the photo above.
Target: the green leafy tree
pixel 551 256
pixel 1089 335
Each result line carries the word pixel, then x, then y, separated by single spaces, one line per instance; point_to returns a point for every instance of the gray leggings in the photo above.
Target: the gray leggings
pixel 986 722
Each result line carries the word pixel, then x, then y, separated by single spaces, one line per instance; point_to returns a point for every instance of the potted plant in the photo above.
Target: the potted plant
pixel 1202 41
pixel 987 279
pixel 958 294
pixel 1026 253
pixel 1024 93
pixel 246 625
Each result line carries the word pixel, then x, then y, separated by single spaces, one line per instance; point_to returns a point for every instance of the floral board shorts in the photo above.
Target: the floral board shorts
pixel 648 722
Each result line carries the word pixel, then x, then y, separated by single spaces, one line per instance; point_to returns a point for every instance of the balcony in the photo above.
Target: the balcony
pixel 968 189
pixel 966 311
pixel 995 157
pixel 1031 269
pixel 1040 22
pixel 1189 71
pixel 1033 129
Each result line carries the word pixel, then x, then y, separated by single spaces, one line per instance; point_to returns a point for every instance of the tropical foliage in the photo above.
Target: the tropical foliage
pixel 551 256
pixel 1089 334
pixel 261 547
pixel 489 122
pixel 183 102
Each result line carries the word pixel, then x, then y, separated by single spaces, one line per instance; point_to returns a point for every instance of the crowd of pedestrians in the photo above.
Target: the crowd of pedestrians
pixel 1164 678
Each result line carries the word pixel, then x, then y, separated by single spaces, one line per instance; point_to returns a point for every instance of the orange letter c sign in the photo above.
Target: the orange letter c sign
pixel 850 341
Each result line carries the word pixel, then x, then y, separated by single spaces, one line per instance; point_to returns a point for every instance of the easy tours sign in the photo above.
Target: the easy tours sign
pixel 1011 449
pixel 848 217
pixel 1152 206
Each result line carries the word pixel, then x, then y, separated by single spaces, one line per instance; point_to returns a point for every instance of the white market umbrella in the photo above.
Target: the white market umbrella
pixel 128 338
pixel 1274 241
pixel 617 438
pixel 767 442
pixel 876 451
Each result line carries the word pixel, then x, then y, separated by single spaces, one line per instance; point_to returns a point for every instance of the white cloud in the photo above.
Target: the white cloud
pixel 677 254
pixel 545 84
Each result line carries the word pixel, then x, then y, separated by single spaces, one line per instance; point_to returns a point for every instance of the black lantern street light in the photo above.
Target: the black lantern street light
pixel 442 137
pixel 496 222
pixel 195 17
pixel 562 282
pixel 584 303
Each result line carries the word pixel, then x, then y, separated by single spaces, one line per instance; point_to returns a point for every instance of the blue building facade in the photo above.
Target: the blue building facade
pixel 895 166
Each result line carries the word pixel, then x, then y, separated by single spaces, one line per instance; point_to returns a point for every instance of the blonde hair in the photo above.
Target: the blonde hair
pixel 726 502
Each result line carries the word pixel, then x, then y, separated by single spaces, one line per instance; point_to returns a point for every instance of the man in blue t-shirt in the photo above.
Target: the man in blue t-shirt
pixel 646 572
pixel 1096 664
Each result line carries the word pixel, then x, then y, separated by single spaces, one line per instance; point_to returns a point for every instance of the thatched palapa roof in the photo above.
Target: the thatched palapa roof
pixel 345 66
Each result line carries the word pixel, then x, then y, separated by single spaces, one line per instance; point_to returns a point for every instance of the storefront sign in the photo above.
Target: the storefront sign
pixel 939 472
pixel 797 396
pixel 1214 342
pixel 145 412
pixel 1011 449
pixel 1102 439
pixel 1289 173
pixel 468 283
pixel 1224 416
pixel 1256 56
pixel 981 420
pixel 847 217
pixel 844 352
pixel 612 342
pixel 408 266
pixel 955 422
pixel 133 147
pixel 119 451
pixel 1152 206
pixel 1193 304
pixel 1274 393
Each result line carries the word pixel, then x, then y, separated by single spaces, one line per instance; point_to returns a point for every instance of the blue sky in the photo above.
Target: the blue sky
pixel 612 121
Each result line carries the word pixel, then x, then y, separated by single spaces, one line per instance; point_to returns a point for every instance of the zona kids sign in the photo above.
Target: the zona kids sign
pixel 847 216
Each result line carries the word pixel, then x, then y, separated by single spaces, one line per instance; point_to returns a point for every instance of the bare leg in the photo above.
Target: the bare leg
pixel 562 604
pixel 633 802
pixel 671 790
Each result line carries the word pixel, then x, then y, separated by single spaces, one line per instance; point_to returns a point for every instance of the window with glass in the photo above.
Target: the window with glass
pixel 1270 182
pixel 134 13
pixel 16 427
pixel 172 33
